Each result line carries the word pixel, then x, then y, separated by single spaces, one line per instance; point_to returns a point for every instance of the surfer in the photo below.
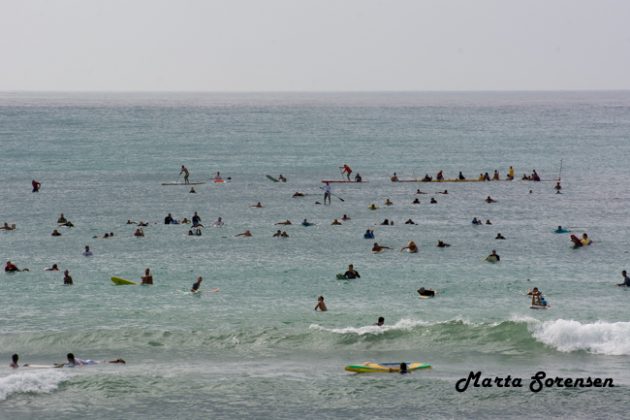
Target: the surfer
pixel 433 201
pixel 442 244
pixel 55 232
pixel 411 247
pixel 376 248
pixel 335 222
pixel 626 279
pixel 476 221
pixel 9 267
pixel 277 234
pixel 369 234
pixel 346 170
pixel 297 194
pixel 192 190
pixel 218 223
pixel 53 268
pixel 537 299
pixel 560 229
pixel 510 174
pixel 36 185
pixel 493 257
pixel 351 273
pixel 246 234
pixel 87 252
pixel 257 205
pixel 62 219
pixel 282 178
pixel 394 178
pixel 585 239
pixel 427 178
pixel 499 236
pixel 357 178
pixel 196 220
pixel 14 361
pixel 415 201
pixel 6 226
pixel 138 233
pixel 195 286
pixel 186 174
pixel 439 176
pixel 385 222
pixel 380 322
pixel 345 217
pixel 488 222
pixel 461 176
pixel 558 187
pixel 284 234
pixel 445 192
pixel 410 222
pixel 490 200
pixel 147 279
pixel 321 305
pixel 372 207
pixel 426 292
pixel 75 361
pixel 388 202
pixel 67 278
pixel 403 368
pixel 419 192
pixel 327 193
pixel 168 220
pixel 495 176
pixel 286 222
pixel 576 242
pixel 307 223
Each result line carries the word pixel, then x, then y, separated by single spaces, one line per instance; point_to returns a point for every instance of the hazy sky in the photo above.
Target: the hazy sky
pixel 312 45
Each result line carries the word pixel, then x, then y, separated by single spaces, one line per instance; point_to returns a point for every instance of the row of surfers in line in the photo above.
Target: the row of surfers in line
pixel 482 176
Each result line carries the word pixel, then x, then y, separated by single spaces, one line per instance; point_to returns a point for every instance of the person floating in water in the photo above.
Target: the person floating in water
pixel 297 194
pixel 560 229
pixel 345 217
pixel 55 232
pixel 346 170
pixel 147 279
pixel 626 279
pixel 286 222
pixel 380 322
pixel 9 267
pixel 53 268
pixel 67 278
pixel 426 292
pixel 186 174
pixel 411 247
pixel 306 223
pixel 196 285
pixel 321 306
pixel 351 273
pixel 36 185
pixel 376 248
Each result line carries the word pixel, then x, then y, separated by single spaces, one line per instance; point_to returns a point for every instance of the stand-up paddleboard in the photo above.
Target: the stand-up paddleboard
pixel 182 183
pixel 271 178
pixel 337 181
pixel 370 367
pixel 122 282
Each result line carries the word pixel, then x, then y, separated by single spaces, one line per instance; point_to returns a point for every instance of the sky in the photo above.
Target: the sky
pixel 314 45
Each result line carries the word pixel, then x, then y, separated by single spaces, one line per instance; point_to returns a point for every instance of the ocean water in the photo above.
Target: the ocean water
pixel 256 348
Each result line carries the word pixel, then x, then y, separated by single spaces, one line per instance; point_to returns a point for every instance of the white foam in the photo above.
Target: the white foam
pixel 403 324
pixel 22 381
pixel 611 338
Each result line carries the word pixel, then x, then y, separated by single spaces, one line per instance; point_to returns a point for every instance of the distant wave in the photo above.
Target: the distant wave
pixel 24 381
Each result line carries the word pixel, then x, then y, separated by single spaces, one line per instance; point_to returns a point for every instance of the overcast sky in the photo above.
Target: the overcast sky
pixel 314 45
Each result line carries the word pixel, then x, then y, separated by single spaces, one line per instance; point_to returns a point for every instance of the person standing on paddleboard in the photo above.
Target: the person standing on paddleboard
pixel 346 170
pixel 186 174
pixel 327 193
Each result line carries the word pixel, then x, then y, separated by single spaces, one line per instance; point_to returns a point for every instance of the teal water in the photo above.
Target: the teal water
pixel 256 348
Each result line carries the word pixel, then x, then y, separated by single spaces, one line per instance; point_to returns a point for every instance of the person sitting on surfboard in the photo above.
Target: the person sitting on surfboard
pixel 217 177
pixel 490 200
pixel 351 273
pixel 426 292
pixel 55 232
pixel 495 176
pixel 282 178
pixel 196 220
pixel 510 174
pixel 346 170
pixel 433 201
pixel 585 239
pixel 499 236
pixel 372 207
pixel 626 279
pixel 394 178
pixel 139 233
pixel 461 176
pixel 442 244
pixel 147 279
pixel 476 221
pixel 192 190
pixel 410 222
pixel 258 205
pixel 411 247
pixel 218 223
pixel 168 219
pixel 488 222
pixel 380 322
pixel 195 286
pixel 427 178
pixel 87 252
pixel 388 202
pixel 369 234
pixel 376 248
pixel 186 174
pixel 386 223
pixel 415 201
pixel 558 187
pixel 284 234
pixel 307 223
pixel 493 257
pixel 321 305
pixel 357 178
pixel 335 222
pixel 62 219
pixel 277 234
pixel 14 361
pixel 67 278
pixel 439 176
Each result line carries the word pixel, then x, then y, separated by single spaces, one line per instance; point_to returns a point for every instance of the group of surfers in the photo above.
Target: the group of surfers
pixel 71 362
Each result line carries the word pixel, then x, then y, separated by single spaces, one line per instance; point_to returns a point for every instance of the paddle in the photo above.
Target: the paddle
pixel 334 195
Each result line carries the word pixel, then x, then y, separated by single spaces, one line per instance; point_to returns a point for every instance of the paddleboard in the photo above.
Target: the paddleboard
pixel 272 178
pixel 539 307
pixel 218 181
pixel 426 297
pixel 31 366
pixel 562 231
pixel 491 259
pixel 182 183
pixel 122 282
pixel 385 367
pixel 333 181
